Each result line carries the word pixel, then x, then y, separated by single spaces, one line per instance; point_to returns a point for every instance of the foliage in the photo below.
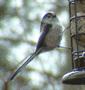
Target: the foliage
pixel 19 32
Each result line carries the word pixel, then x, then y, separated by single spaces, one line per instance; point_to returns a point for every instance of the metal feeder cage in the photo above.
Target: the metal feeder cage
pixel 77 33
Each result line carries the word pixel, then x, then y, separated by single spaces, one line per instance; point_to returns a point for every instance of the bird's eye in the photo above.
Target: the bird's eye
pixel 49 16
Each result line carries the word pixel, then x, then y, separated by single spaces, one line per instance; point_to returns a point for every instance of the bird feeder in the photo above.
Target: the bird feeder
pixel 77 34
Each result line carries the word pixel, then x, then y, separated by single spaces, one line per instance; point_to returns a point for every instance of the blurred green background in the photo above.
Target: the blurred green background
pixel 19 33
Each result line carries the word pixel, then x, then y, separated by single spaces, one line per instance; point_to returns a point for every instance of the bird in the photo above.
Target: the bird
pixel 51 34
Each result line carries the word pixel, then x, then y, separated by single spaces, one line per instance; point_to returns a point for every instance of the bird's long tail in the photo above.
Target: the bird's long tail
pixel 26 61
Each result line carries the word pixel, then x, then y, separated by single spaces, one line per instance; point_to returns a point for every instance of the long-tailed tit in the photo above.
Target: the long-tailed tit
pixel 51 33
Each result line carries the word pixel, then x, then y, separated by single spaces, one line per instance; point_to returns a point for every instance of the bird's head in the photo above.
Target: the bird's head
pixel 48 18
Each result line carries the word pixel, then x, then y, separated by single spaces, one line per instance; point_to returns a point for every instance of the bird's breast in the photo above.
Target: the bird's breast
pixel 53 37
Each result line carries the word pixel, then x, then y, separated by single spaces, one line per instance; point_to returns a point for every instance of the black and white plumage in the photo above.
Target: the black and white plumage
pixel 51 33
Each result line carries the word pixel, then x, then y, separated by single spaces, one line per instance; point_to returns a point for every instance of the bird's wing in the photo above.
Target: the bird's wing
pixel 42 36
pixel 41 26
